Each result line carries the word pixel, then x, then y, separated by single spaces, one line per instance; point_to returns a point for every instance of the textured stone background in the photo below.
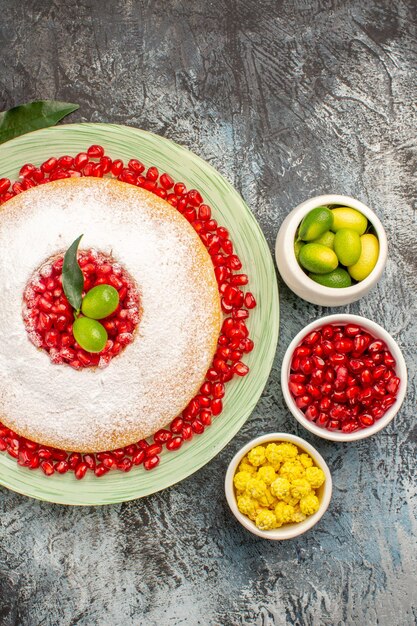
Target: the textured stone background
pixel 287 100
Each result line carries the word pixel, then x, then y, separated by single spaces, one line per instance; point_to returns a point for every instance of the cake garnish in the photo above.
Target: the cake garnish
pixel 72 276
pixel 100 302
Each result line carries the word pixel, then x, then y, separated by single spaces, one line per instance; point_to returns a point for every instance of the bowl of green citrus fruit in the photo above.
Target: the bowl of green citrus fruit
pixel 331 250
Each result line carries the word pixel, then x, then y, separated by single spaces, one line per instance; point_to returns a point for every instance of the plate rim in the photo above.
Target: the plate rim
pixel 209 452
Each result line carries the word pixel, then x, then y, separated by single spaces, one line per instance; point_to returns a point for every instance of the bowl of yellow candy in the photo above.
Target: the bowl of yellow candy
pixel 278 486
pixel 331 250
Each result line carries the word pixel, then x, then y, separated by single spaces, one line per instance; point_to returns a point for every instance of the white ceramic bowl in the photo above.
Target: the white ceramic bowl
pixel 375 330
pixel 288 531
pixel 298 281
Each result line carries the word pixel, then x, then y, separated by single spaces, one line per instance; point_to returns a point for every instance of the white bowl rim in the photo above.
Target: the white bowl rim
pixel 401 370
pixel 287 531
pixel 362 286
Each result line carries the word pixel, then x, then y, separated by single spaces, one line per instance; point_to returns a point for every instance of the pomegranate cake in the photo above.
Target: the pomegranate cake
pixel 160 340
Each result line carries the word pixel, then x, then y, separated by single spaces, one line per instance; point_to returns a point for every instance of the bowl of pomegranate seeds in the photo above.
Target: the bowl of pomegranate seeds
pixel 306 256
pixel 344 377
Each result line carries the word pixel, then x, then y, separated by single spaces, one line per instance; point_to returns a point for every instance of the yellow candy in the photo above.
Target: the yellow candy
pixel 305 460
pixel 281 487
pixel 315 477
pixel 248 506
pixel 240 480
pixel 273 456
pixel 245 466
pixel 257 456
pixel 267 474
pixel 291 500
pixel 300 487
pixel 284 512
pixel 265 520
pixel 268 499
pixel 287 451
pixel 255 488
pixel 292 469
pixel 309 504
pixel 298 516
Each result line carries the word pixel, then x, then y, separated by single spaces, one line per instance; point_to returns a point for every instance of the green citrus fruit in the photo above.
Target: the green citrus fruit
pixel 318 259
pixel 345 217
pixel 100 302
pixel 89 334
pixel 368 258
pixel 347 245
pixel 338 278
pixel 315 223
pixel 326 239
pixel 297 247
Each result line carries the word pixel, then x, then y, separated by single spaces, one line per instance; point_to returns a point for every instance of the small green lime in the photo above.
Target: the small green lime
pixel 318 259
pixel 315 223
pixel 100 302
pixel 326 239
pixel 89 334
pixel 338 278
pixel 297 247
pixel 345 217
pixel 347 245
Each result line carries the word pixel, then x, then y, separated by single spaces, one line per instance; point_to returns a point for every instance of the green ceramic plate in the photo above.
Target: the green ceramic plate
pixel 243 394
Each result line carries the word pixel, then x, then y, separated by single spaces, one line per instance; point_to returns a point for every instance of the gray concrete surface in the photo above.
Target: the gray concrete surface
pixel 287 100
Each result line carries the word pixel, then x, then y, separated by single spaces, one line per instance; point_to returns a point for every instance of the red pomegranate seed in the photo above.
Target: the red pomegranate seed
pixel 151 463
pixel 204 212
pixel 47 468
pixel 366 419
pixel 187 432
pixel 138 457
pixel 80 161
pixel 95 152
pixel 81 470
pixel 322 420
pixel 366 377
pixel 4 185
pixel 125 465
pixel 205 417
pixel 74 459
pixel 106 164
pixel 49 165
pixel 393 385
pixel 240 368
pixel 312 412
pixel 197 426
pixel 313 391
pixel 162 436
pixel 152 450
pixel 90 461
pixel 117 167
pixel 175 443
pixel 100 470
pixel 62 467
pixel 136 166
pixel 296 389
pixel 303 401
pixel 216 406
pixel 152 174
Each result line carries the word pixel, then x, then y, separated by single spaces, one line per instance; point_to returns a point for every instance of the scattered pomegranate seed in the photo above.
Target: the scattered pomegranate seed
pixel 95 152
pixel 338 379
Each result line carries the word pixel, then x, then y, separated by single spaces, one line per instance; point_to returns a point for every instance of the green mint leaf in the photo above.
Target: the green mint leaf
pixel 32 116
pixel 72 276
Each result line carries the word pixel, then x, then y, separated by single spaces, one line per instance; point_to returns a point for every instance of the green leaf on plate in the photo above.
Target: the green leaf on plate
pixel 72 276
pixel 32 116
